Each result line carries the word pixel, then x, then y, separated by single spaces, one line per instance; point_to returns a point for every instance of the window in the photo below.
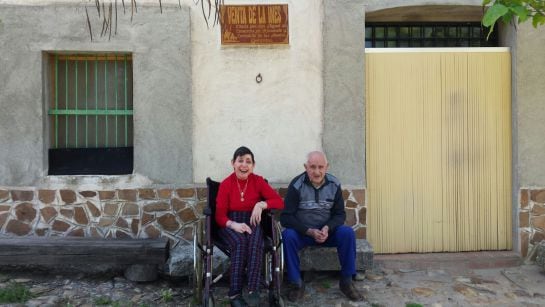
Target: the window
pixel 90 114
pixel 399 35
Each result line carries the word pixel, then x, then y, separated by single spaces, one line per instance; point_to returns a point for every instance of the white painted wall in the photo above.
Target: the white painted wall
pixel 280 119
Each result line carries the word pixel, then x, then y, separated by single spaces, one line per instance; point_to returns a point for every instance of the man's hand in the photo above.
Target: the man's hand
pixel 317 235
pixel 240 227
pixel 325 232
pixel 255 219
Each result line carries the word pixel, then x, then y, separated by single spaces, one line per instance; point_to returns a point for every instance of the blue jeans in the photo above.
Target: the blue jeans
pixel 343 238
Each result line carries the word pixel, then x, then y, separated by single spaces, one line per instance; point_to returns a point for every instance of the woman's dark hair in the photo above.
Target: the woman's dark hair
pixel 241 151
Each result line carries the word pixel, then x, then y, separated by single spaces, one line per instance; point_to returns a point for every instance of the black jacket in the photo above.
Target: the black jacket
pixel 307 207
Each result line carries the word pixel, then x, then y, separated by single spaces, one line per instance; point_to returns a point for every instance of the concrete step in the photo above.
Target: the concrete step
pixel 326 259
pixel 312 259
pixel 449 261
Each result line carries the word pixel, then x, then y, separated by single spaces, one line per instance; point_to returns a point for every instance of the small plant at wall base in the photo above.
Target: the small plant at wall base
pixel 14 293
pixel 166 295
pixel 508 10
pixel 102 301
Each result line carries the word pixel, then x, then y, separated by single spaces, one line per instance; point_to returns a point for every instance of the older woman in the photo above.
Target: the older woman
pixel 242 196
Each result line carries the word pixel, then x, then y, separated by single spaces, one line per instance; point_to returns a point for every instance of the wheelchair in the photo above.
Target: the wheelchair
pixel 206 238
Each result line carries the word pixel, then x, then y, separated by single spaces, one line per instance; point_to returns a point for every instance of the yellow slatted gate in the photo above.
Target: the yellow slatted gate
pixel 438 149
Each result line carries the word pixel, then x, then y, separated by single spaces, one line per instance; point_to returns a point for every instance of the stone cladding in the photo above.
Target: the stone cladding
pixel 531 218
pixel 124 213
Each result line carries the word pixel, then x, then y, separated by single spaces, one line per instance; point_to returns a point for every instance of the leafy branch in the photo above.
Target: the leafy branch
pixel 509 10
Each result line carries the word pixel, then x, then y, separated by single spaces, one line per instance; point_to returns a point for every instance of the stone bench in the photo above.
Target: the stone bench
pixel 311 259
pixel 326 259
pixel 140 258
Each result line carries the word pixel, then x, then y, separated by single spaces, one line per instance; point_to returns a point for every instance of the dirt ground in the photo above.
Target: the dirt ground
pixel 516 286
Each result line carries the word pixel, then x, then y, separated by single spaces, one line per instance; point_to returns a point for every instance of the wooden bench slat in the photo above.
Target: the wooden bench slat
pixel 57 250
pixel 75 260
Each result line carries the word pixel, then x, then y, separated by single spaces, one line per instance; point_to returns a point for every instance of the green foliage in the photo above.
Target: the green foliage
pixel 14 293
pixel 413 305
pixel 508 10
pixel 494 13
pixel 166 295
pixel 326 285
pixel 102 301
pixel 106 301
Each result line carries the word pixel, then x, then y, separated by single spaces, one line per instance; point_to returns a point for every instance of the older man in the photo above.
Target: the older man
pixel 314 215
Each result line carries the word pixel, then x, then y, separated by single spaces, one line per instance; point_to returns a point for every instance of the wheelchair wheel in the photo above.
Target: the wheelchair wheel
pixel 198 262
pixel 274 268
pixel 210 302
pixel 280 251
pixel 275 300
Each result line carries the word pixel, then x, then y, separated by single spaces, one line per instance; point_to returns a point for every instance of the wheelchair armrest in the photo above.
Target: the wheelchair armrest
pixel 269 224
pixel 270 216
pixel 274 213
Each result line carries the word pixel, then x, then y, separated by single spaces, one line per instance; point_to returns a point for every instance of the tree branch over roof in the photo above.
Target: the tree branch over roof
pixel 210 12
pixel 511 10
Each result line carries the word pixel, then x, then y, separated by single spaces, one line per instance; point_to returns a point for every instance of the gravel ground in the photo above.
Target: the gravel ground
pixel 517 286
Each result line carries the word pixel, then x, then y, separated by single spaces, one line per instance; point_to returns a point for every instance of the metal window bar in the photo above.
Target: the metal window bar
pixel 115 71
pixel 125 88
pixel 66 100
pixel 56 101
pixel 67 108
pixel 76 102
pixel 86 102
pixel 106 135
pixel 395 35
pixel 96 101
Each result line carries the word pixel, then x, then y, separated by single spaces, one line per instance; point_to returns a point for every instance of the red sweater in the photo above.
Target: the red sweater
pixel 258 189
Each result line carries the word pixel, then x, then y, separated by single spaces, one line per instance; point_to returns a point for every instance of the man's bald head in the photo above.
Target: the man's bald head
pixel 316 154
pixel 316 167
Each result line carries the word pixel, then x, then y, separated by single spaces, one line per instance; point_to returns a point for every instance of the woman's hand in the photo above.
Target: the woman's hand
pixel 240 227
pixel 255 219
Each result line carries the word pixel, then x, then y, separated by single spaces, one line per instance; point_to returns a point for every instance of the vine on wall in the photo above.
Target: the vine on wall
pixel 108 13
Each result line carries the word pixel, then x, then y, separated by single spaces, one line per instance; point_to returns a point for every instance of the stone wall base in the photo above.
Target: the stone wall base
pixel 531 219
pixel 146 212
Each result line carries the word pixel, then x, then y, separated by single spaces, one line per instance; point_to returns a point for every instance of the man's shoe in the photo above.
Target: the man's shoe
pixel 359 277
pixel 253 299
pixel 349 289
pixel 238 301
pixel 296 292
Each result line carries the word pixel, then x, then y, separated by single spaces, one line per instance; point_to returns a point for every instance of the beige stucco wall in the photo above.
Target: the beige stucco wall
pixel 280 119
pixel 530 111
pixel 373 5
pixel 283 117
pixel 161 49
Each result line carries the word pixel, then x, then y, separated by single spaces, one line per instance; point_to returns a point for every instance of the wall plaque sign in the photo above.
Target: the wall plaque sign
pixel 254 24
